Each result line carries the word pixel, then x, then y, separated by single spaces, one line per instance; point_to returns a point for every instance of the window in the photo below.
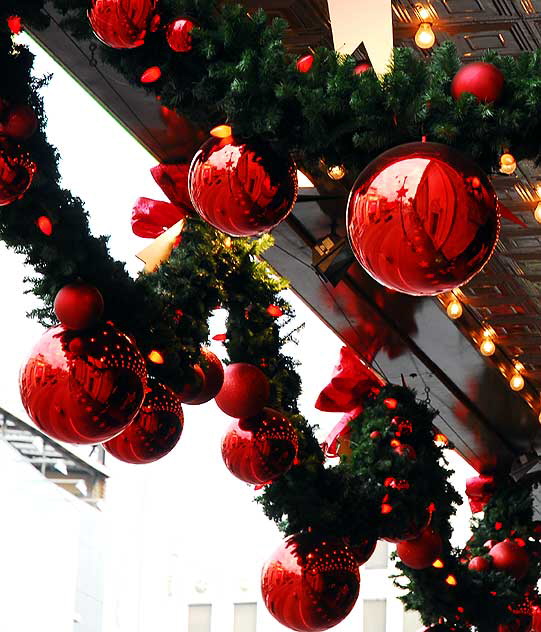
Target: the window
pixel 379 557
pixel 374 615
pixel 412 621
pixel 245 617
pixel 199 618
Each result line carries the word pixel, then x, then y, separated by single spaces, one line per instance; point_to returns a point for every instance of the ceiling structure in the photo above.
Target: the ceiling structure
pixel 489 424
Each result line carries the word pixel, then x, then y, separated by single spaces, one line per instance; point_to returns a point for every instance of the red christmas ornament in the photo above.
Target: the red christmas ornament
pixel 245 390
pixel 179 36
pixel 19 123
pixel 16 174
pixel 260 449
pixel 305 63
pixel 121 23
pixel 209 379
pixel 83 387
pixel 479 564
pixel 510 558
pixel 242 189
pixel 481 79
pixel 375 434
pixel 417 223
pixel 78 306
pixel 421 552
pixel 362 67
pixel 155 430
pixel 310 584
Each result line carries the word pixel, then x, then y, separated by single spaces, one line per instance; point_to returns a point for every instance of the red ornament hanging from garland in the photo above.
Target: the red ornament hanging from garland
pixel 245 390
pixel 155 430
pixel 83 387
pixel 421 552
pixel 178 34
pixel 261 448
pixel 121 23
pixel 242 189
pixel 18 123
pixel 16 174
pixel 423 219
pixel 510 558
pixel 78 306
pixel 305 63
pixel 479 564
pixel 310 583
pixel 208 380
pixel 485 81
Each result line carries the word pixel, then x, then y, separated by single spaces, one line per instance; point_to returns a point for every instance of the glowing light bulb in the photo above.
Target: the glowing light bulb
pixel 336 172
pixel 424 13
pixel 451 580
pixel 537 213
pixel 438 564
pixel 221 131
pixel 516 382
pixel 508 164
pixel 487 347
pixel 156 357
pixel 454 309
pixel 425 38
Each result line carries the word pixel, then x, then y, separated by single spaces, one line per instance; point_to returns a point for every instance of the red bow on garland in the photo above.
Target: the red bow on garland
pixel 479 491
pixel 351 382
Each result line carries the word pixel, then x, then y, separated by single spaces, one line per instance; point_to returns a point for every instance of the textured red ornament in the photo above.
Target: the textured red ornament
pixel 16 174
pixel 510 558
pixel 245 390
pixel 179 36
pixel 209 378
pixel 155 430
pixel 421 552
pixel 121 23
pixel 242 189
pixel 310 584
pixel 423 219
pixel 305 63
pixel 261 448
pixel 19 123
pixel 78 306
pixel 481 79
pixel 479 564
pixel 83 387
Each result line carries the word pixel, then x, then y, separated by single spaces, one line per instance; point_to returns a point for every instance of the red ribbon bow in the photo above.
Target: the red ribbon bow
pixel 479 490
pixel 351 382
pixel 151 218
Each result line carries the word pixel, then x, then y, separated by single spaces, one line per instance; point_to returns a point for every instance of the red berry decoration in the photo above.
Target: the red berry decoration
pixel 261 448
pixel 19 123
pixel 245 390
pixel 121 23
pixel 423 219
pixel 305 63
pixel 479 564
pixel 421 552
pixel 155 430
pixel 78 306
pixel 209 379
pixel 242 189
pixel 83 387
pixel 16 174
pixel 179 36
pixel 481 79
pixel 309 583
pixel 510 558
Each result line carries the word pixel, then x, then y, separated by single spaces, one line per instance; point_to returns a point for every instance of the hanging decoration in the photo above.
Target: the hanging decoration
pixel 121 23
pixel 17 122
pixel 245 390
pixel 179 36
pixel 483 80
pixel 78 306
pixel 16 173
pixel 207 380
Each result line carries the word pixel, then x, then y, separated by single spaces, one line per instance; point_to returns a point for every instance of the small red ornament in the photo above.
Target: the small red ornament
pixel 362 67
pixel 19 123
pixel 510 558
pixel 121 23
pixel 242 189
pixel 151 74
pixel 274 311
pixel 481 79
pixel 309 583
pixel 421 552
pixel 417 224
pixel 15 24
pixel 479 564
pixel 245 390
pixel 16 174
pixel 155 430
pixel 305 63
pixel 209 379
pixel 260 449
pixel 78 306
pixel 83 387
pixel 391 403
pixel 375 434
pixel 179 36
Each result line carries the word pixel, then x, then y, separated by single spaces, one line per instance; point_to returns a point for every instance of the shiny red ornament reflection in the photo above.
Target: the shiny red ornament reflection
pixel 310 584
pixel 423 219
pixel 245 391
pixel 208 380
pixel 121 23
pixel 242 189
pixel 83 387
pixel 16 174
pixel 179 36
pixel 485 81
pixel 155 430
pixel 260 449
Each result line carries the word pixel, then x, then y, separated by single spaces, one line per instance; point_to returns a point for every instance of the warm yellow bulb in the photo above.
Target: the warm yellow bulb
pixel 487 347
pixel 425 38
pixel 508 164
pixel 537 213
pixel 516 382
pixel 221 131
pixel 424 13
pixel 454 309
pixel 336 172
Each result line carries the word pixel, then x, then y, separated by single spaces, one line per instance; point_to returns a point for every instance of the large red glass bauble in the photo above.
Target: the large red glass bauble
pixel 310 583
pixel 83 387
pixel 241 188
pixel 16 174
pixel 154 432
pixel 421 552
pixel 121 23
pixel 510 558
pixel 178 34
pixel 19 123
pixel 209 378
pixel 485 81
pixel 261 448
pixel 423 219
pixel 78 305
pixel 245 390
